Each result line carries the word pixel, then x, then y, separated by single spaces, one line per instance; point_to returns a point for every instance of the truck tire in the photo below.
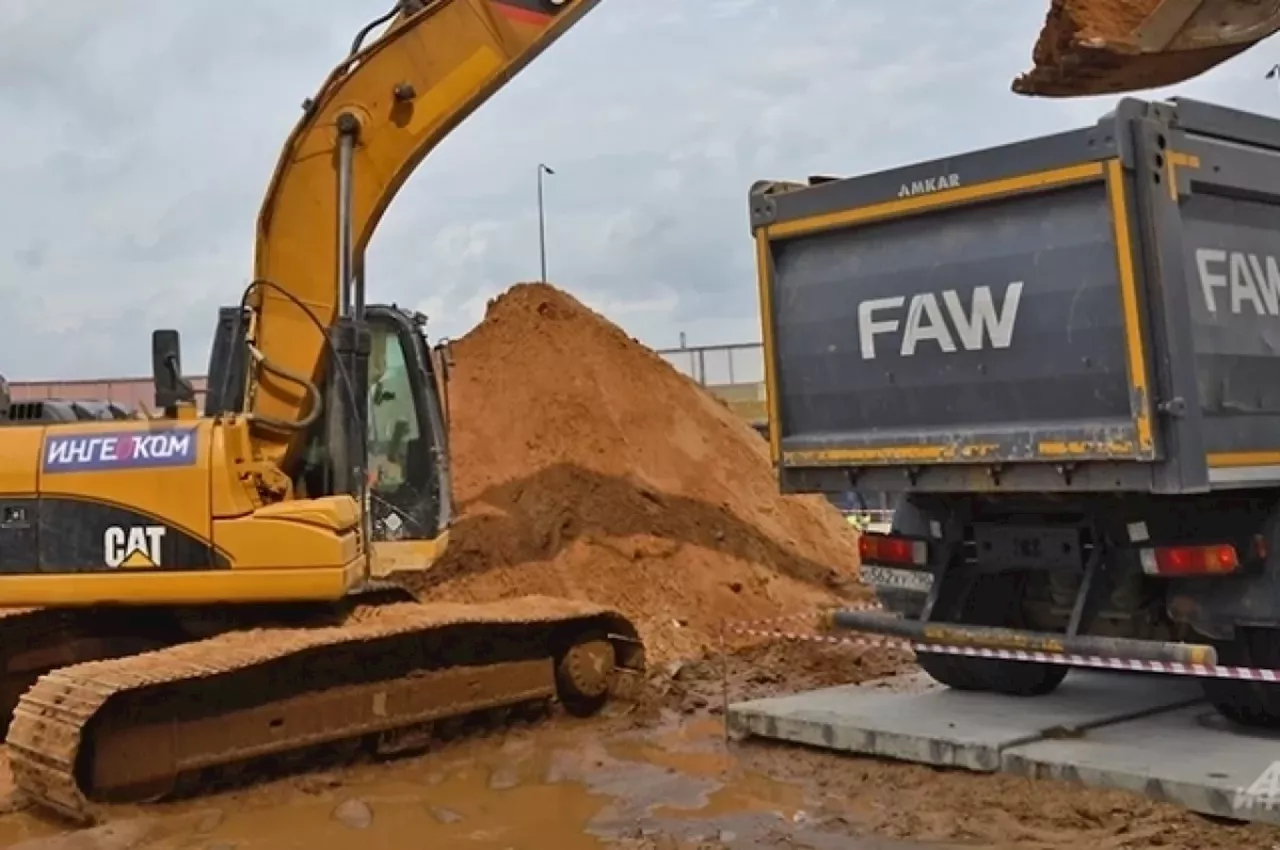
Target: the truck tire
pixel 996 600
pixel 1247 703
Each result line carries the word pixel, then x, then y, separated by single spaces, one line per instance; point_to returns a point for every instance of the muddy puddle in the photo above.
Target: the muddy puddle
pixel 564 786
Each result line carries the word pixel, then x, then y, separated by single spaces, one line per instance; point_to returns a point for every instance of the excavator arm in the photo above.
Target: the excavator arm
pixel 377 115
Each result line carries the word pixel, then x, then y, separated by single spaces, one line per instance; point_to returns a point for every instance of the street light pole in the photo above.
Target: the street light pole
pixel 542 221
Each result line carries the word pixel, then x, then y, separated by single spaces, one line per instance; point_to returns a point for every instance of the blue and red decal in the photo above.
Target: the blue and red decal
pixel 152 449
pixel 529 11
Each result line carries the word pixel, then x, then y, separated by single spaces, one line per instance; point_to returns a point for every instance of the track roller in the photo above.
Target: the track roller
pixel 583 674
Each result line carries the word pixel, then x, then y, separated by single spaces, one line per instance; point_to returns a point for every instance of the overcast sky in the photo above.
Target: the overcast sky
pixel 140 134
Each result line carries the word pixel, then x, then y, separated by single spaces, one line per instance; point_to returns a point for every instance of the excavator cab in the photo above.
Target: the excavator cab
pixel 405 439
pixel 406 431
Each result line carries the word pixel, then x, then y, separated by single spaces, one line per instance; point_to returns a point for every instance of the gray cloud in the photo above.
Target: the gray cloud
pixel 141 141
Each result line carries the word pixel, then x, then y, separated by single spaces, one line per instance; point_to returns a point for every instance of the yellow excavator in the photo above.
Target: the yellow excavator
pixel 186 597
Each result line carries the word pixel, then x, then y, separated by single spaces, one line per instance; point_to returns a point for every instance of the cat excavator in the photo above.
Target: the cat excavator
pixel 188 596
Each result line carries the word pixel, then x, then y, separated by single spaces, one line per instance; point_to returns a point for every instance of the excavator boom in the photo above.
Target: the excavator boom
pixel 393 101
pixel 1097 47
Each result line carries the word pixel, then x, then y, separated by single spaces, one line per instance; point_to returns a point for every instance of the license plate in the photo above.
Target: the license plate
pixel 917 580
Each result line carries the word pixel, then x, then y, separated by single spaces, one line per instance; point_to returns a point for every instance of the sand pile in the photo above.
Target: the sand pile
pixel 1106 19
pixel 1088 47
pixel 586 466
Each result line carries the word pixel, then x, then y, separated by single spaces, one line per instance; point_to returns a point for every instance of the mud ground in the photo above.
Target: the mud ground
pixel 658 775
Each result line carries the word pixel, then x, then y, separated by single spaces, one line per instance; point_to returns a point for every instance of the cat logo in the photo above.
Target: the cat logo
pixel 135 547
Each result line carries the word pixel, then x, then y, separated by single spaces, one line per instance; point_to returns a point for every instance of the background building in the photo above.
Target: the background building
pixel 126 392
pixel 734 373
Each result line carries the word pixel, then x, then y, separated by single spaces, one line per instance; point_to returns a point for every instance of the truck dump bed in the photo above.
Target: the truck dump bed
pixel 1093 310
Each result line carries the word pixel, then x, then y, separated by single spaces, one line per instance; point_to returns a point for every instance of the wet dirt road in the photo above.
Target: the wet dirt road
pixel 657 776
pixel 569 785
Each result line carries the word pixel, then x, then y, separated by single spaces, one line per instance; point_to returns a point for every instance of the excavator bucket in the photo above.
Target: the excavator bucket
pixel 1094 47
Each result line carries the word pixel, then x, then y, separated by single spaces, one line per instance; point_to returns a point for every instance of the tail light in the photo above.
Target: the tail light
pixel 888 549
pixel 1215 559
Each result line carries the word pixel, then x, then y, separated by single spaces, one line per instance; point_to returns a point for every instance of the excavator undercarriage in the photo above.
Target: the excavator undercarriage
pixel 372 676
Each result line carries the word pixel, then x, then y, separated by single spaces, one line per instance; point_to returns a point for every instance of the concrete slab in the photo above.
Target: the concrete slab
pixel 1190 757
pixel 952 728
pixel 1146 734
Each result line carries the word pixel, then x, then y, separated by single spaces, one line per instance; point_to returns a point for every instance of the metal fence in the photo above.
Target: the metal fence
pixel 717 365
pixel 732 364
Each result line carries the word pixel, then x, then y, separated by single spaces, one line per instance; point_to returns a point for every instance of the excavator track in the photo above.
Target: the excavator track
pixel 140 728
pixel 35 640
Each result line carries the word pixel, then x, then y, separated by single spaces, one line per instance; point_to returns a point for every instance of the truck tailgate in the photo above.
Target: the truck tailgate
pixel 991 322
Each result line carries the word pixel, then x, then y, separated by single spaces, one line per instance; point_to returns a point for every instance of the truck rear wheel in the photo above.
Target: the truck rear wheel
pixel 1247 703
pixel 995 600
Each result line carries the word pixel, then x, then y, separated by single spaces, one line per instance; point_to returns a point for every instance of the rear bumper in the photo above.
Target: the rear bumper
pixel 985 637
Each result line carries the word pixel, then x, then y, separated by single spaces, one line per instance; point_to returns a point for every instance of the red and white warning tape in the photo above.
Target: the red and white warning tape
pixel 1216 671
pixel 806 617
pixel 812 638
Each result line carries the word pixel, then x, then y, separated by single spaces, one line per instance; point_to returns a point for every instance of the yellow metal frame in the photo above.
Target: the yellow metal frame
pixel 992 189
pixel 1175 160
pixel 1236 460
pixel 181 587
pixel 1127 264
pixel 764 277
pixel 1216 460
pixel 1111 171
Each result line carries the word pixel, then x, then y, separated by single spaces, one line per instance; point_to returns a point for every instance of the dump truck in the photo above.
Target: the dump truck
pixel 1057 355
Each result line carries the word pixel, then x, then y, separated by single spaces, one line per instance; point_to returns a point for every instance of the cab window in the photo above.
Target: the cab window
pixel 393 419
